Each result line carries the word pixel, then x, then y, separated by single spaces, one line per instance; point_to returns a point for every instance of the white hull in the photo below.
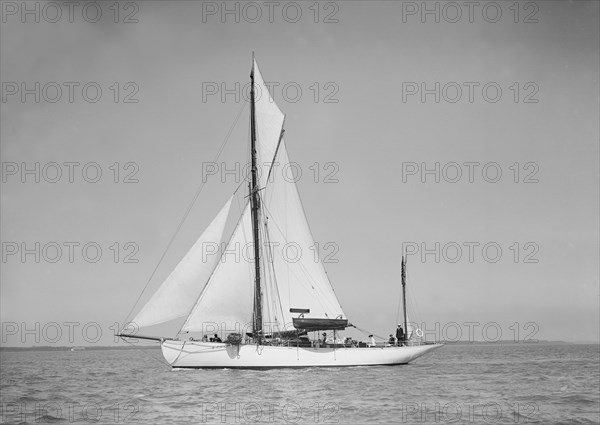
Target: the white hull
pixel 192 354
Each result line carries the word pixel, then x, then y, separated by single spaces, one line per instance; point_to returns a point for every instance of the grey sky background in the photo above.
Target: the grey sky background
pixel 369 133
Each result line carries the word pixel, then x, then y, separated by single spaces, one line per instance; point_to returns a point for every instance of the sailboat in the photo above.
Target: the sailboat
pixel 259 312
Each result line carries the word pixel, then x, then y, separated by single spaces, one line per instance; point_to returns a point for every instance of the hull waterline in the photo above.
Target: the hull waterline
pixel 192 354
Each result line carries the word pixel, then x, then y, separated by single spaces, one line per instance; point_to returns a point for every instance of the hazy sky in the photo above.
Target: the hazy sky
pixel 360 118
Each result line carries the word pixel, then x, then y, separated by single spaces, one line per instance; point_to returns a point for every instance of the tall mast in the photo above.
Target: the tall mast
pixel 255 206
pixel 404 296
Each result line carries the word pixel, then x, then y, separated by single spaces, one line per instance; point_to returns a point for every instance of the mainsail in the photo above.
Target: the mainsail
pixel 176 296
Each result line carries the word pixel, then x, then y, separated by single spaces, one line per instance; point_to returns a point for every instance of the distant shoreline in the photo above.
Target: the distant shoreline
pixel 157 346
pixel 81 348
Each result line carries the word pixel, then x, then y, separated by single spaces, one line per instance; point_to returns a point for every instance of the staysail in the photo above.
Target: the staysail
pixel 176 296
pixel 226 301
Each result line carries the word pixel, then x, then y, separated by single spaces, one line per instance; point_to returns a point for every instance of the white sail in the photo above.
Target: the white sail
pixel 176 296
pixel 226 302
pixel 269 123
pixel 301 281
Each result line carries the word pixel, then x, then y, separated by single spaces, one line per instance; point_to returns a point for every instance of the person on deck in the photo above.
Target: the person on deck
pixel 392 340
pixel 400 335
pixel 324 338
pixel 371 341
pixel 216 338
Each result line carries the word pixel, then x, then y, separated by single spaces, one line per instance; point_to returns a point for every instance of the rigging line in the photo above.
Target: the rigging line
pixel 281 132
pixel 313 238
pixel 187 212
pixel 263 204
pixel 277 151
pixel 266 284
pixel 283 317
pixel 287 241
pixel 313 283
pixel 212 275
pixel 366 332
pixel 269 281
pixel 414 307
pixel 272 266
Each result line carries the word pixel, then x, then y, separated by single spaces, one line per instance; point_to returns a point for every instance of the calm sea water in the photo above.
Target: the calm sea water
pixel 504 384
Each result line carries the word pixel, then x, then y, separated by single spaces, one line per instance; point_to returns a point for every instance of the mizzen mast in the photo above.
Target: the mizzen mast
pixel 255 210
pixel 403 274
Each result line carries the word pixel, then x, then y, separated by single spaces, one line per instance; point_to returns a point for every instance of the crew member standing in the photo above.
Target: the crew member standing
pixel 400 335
